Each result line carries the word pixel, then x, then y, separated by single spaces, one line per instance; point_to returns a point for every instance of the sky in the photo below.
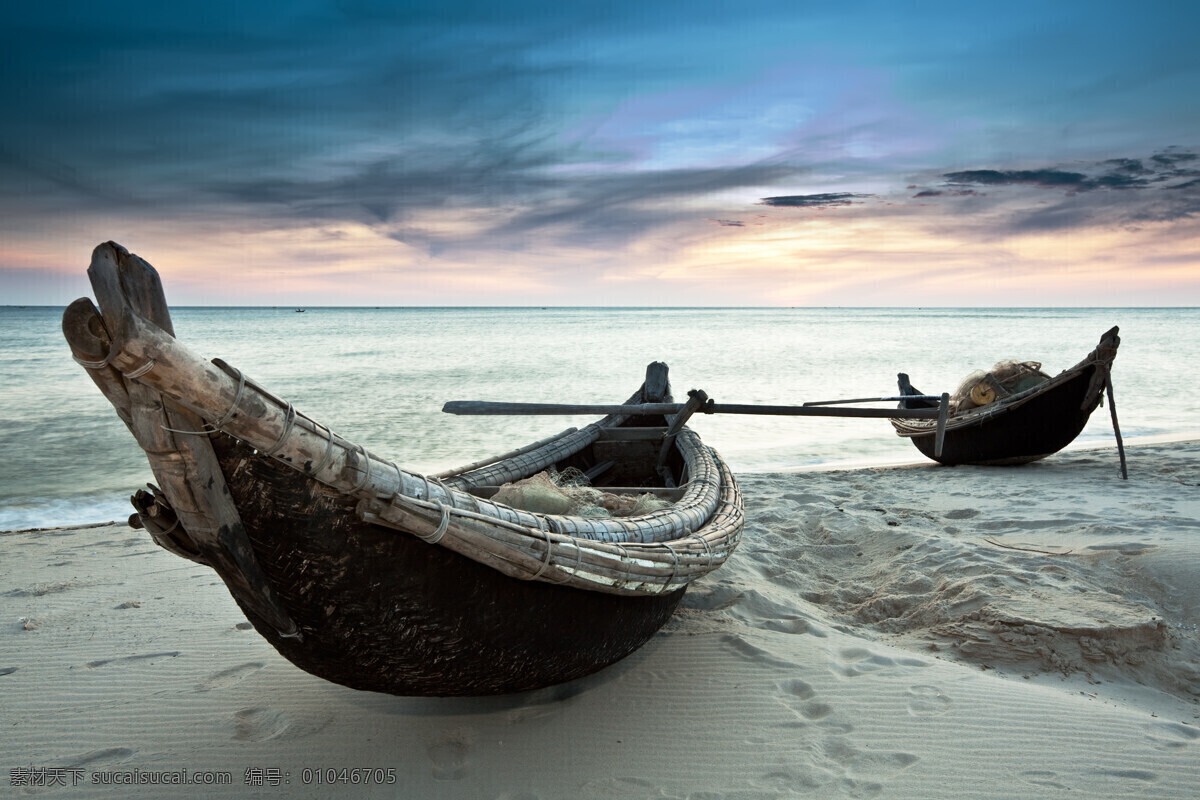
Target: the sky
pixel 378 152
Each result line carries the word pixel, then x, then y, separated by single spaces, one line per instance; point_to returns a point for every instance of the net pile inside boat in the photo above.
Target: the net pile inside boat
pixel 568 492
pixel 1003 379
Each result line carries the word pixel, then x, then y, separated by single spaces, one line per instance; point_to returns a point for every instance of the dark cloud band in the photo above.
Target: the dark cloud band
pixel 816 200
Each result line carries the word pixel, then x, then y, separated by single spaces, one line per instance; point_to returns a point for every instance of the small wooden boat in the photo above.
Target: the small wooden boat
pixel 1000 426
pixel 382 579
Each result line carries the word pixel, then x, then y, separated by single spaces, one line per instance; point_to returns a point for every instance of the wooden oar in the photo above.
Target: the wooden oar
pixel 489 408
pixel 484 407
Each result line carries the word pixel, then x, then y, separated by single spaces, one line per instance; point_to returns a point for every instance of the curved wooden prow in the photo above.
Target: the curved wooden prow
pixel 207 526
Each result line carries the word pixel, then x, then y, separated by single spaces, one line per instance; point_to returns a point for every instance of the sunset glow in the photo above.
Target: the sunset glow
pixel 420 154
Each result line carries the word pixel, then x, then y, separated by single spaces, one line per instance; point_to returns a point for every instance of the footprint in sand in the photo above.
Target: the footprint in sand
pixel 869 764
pixel 228 677
pixel 758 655
pixel 836 768
pixel 865 772
pixel 41 589
pixel 860 789
pixel 927 701
pixel 1129 774
pixel 801 498
pixel 1041 777
pixel 109 755
pixel 819 711
pixel 259 724
pixel 799 697
pixel 128 659
pixel 1172 735
pixel 448 754
pixel 855 661
pixel 798 689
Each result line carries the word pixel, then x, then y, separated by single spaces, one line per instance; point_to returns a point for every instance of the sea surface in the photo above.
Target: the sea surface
pixel 379 377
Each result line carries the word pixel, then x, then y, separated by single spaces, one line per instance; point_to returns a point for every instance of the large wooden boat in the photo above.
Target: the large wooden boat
pixel 1015 427
pixel 382 579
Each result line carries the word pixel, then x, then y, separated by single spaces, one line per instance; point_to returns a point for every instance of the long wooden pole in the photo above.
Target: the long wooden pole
pixel 933 397
pixel 484 407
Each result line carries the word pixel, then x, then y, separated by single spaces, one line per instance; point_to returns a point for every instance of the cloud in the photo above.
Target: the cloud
pixel 1172 158
pixel 944 193
pixel 1046 178
pixel 1192 184
pixel 1053 178
pixel 826 200
pixel 1115 192
pixel 403 119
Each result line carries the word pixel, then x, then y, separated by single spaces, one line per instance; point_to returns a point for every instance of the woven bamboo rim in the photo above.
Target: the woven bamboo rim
pixel 533 553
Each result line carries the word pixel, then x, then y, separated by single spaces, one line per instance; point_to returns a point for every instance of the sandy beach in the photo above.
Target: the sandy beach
pixel 901 632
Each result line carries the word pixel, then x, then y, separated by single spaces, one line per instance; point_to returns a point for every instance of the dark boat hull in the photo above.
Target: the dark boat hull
pixel 1040 427
pixel 1021 428
pixel 405 617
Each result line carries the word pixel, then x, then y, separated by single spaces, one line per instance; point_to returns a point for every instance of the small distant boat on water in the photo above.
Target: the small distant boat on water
pixel 378 578
pixel 1015 413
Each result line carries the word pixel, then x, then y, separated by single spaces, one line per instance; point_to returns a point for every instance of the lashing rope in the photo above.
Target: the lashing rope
pixel 674 565
pixel 288 421
pixel 366 477
pixel 546 559
pixel 237 400
pixel 140 371
pixel 328 452
pixel 440 530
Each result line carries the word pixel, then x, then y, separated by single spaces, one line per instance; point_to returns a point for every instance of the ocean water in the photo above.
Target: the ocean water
pixel 379 376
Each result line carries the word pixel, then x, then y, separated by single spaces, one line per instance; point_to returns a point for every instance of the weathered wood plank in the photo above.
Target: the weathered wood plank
pixel 174 438
pixel 90 343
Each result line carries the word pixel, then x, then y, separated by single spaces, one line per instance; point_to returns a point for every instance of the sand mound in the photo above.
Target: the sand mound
pixel 1037 569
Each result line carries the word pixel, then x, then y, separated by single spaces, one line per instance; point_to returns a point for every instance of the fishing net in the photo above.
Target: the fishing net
pixel 1006 378
pixel 568 492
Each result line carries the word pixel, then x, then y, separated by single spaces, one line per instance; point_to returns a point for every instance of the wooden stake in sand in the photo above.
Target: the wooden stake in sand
pixel 1112 411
